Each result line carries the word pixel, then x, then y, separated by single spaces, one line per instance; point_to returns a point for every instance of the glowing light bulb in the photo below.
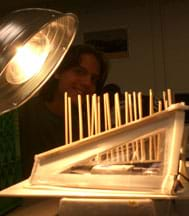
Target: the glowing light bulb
pixel 28 60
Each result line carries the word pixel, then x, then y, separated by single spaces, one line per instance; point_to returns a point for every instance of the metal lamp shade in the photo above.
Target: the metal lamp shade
pixel 49 32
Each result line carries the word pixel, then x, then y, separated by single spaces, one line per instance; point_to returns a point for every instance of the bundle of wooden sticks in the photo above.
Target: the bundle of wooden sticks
pixel 95 105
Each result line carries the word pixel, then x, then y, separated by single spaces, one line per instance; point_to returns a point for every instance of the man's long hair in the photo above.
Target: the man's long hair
pixel 72 59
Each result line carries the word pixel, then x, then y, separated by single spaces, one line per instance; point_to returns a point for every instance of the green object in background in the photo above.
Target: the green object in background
pixel 10 158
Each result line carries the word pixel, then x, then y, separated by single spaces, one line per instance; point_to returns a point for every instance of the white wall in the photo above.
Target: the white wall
pixel 134 72
pixel 175 16
pixel 158 43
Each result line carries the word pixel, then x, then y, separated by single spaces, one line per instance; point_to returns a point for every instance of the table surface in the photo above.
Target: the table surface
pixel 50 207
pixel 37 207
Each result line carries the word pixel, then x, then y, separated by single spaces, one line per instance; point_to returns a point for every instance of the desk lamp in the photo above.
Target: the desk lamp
pixel 33 42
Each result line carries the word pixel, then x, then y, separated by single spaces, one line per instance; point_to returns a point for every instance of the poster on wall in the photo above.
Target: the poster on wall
pixel 113 43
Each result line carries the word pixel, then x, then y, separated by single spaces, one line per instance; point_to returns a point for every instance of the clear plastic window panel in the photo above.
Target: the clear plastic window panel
pixel 142 156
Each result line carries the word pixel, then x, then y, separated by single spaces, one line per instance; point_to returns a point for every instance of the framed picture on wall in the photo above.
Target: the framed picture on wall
pixel 113 43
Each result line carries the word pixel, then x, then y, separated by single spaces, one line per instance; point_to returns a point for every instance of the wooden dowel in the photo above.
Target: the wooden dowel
pixel 140 110
pixel 159 106
pixel 95 114
pixel 88 115
pixel 169 97
pixel 126 108
pixel 165 103
pixel 151 104
pixel 158 146
pixel 154 146
pixel 122 153
pixel 150 147
pixel 133 151
pixel 127 151
pixel 94 119
pixel 112 155
pixel 135 105
pixel 105 111
pixel 66 117
pixel 92 116
pixel 80 117
pixel 98 114
pixel 109 121
pixel 137 150
pixel 118 159
pixel 117 110
pixel 130 108
pixel 109 112
pixel 70 119
pixel 143 152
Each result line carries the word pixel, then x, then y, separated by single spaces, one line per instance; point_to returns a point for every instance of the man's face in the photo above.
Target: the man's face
pixel 80 79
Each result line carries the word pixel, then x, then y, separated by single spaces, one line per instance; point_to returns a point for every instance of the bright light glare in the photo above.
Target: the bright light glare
pixel 28 60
